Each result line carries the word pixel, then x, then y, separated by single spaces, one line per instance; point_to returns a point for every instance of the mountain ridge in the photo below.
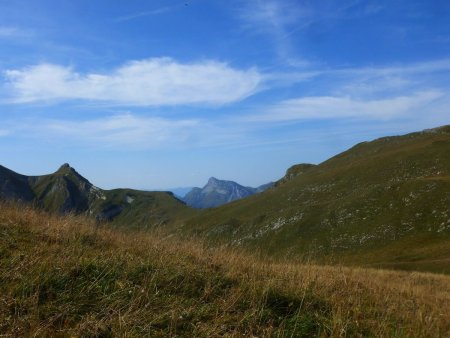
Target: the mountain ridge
pixel 66 191
pixel 383 203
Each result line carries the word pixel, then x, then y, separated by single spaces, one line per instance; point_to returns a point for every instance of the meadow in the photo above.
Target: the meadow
pixel 70 276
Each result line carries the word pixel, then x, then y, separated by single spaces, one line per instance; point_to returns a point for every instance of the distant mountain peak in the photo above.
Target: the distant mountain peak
pixel 212 179
pixel 217 192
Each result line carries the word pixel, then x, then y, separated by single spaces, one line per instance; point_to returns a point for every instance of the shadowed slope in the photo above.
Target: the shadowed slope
pixel 14 186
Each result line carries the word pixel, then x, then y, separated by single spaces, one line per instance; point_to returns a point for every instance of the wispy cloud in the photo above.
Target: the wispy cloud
pixel 133 131
pixel 328 107
pixel 392 80
pixel 156 11
pixel 400 95
pixel 282 20
pixel 151 82
pixel 366 83
pixel 277 19
pixel 402 69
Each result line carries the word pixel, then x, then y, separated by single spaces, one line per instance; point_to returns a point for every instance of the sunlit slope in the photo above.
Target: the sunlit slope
pixel 66 276
pixel 381 203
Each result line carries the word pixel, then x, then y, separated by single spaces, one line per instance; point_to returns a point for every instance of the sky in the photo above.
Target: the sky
pixel 162 94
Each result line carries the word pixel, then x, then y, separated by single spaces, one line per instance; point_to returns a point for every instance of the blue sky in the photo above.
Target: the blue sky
pixel 163 94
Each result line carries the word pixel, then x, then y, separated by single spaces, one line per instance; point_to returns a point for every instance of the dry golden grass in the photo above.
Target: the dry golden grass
pixel 67 276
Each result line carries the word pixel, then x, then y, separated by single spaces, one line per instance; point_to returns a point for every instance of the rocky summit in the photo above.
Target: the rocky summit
pixel 218 192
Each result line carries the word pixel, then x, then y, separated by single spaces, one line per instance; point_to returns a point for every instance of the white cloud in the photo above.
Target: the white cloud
pixel 151 82
pixel 329 107
pixel 4 132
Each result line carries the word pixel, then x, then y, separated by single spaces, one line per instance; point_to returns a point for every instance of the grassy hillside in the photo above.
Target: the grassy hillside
pixel 65 276
pixel 140 209
pixel 381 203
pixel 63 191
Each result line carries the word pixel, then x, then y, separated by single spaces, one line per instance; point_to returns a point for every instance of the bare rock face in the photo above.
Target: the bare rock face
pixel 218 192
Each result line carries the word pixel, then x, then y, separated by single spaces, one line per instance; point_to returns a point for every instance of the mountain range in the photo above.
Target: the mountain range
pixel 381 203
pixel 67 191
pixel 219 192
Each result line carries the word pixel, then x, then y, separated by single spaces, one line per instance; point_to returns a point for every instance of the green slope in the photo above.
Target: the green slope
pixel 63 191
pixel 139 209
pixel 382 203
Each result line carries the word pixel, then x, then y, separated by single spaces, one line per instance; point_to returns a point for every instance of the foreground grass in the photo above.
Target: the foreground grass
pixel 65 276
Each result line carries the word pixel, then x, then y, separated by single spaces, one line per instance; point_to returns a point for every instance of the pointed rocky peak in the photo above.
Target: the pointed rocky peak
pixel 65 168
pixel 217 192
pixel 213 180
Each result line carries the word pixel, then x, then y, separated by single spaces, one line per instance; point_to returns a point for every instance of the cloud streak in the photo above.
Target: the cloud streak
pixel 157 11
pixel 282 20
pixel 329 107
pixel 133 131
pixel 150 82
pixel 276 19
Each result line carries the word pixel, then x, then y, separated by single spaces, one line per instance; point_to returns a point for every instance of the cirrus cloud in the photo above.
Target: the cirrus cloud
pixel 150 82
pixel 332 107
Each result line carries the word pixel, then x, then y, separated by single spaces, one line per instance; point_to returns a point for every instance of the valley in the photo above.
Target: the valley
pixel 384 203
